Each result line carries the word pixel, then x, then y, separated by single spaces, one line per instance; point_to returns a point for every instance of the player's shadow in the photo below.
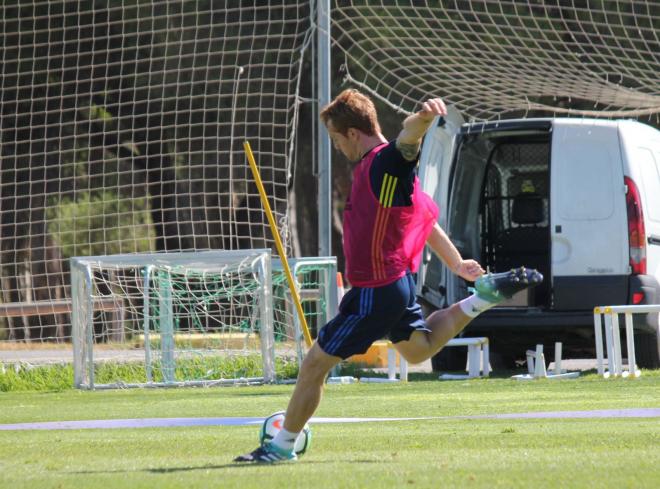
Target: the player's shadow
pixel 259 394
pixel 241 466
pixel 169 470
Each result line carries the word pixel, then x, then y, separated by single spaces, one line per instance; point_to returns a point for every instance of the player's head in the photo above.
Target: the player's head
pixel 351 109
pixel 348 115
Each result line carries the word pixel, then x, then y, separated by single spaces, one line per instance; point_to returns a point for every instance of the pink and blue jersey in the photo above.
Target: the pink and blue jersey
pixel 387 219
pixel 386 222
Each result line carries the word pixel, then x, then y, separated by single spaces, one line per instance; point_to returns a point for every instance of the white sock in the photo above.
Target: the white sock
pixel 474 305
pixel 285 440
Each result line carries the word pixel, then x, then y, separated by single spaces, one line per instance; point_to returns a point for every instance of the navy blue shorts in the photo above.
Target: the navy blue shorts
pixel 369 314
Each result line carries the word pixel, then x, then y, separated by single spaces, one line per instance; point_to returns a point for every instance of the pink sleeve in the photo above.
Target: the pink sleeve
pixel 426 216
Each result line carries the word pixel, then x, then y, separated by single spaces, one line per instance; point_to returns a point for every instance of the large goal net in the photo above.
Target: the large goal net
pixel 503 58
pixel 121 123
pixel 121 131
pixel 193 318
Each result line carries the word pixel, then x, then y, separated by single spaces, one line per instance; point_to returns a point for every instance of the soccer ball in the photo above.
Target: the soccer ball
pixel 273 424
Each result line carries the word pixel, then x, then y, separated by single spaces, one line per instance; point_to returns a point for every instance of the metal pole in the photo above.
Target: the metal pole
pixel 146 298
pixel 267 334
pixel 323 147
pixel 598 335
pixel 89 336
pixel 166 326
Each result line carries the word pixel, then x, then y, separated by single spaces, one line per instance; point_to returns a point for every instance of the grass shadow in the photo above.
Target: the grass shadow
pixel 233 465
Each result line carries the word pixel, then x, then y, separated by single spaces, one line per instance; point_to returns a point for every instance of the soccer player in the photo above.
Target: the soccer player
pixel 387 221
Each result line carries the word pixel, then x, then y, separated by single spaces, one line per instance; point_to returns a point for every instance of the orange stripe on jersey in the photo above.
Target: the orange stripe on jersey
pixel 382 217
pixel 376 264
pixel 376 256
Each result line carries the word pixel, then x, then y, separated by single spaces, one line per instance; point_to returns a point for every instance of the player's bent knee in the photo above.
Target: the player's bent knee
pixel 416 350
pixel 317 363
pixel 415 357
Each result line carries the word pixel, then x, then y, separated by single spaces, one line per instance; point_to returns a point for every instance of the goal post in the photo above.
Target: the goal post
pixel 193 318
pixel 316 281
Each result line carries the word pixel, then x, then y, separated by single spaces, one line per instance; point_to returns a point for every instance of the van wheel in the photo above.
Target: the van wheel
pixel 647 350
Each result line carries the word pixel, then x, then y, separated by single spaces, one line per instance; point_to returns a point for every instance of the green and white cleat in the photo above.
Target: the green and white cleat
pixel 267 454
pixel 497 287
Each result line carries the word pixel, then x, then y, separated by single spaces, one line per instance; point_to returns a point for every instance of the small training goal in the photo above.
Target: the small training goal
pixel 193 318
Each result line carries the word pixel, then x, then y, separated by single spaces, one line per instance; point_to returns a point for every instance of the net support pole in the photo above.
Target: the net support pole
pixel 166 327
pixel 267 333
pixel 323 147
pixel 89 332
pixel 146 298
pixel 79 304
pixel 278 241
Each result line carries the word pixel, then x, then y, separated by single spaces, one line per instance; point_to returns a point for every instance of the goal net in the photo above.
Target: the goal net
pixel 200 318
pixel 122 122
pixel 493 58
pixel 121 132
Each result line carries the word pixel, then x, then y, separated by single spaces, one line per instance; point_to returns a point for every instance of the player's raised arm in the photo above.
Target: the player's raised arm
pixel 442 246
pixel 415 126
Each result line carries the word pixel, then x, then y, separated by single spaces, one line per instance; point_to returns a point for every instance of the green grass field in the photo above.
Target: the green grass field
pixel 484 453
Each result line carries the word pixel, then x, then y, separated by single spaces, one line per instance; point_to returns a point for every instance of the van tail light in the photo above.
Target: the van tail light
pixel 636 232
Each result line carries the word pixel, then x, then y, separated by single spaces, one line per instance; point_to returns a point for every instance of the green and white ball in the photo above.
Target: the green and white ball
pixel 274 423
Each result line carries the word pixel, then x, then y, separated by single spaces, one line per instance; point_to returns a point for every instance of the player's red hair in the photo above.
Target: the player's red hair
pixel 351 108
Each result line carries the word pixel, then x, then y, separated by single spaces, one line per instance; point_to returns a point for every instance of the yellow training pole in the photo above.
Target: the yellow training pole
pixel 278 242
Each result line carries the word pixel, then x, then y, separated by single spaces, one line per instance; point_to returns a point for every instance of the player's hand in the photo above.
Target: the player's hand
pixel 470 270
pixel 431 108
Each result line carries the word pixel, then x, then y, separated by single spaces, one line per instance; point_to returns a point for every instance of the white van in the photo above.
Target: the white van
pixel 578 199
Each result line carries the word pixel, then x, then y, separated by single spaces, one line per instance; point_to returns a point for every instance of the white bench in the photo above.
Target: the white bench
pixel 478 358
pixel 478 355
pixel 613 338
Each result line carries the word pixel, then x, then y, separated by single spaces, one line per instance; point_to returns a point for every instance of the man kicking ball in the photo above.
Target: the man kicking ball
pixel 387 221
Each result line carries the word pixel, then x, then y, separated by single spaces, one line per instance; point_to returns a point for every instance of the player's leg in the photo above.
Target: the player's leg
pixel 443 325
pixel 340 338
pixel 309 388
pixel 304 401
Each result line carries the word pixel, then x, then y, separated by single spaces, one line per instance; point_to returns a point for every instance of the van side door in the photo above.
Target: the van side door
pixel 435 163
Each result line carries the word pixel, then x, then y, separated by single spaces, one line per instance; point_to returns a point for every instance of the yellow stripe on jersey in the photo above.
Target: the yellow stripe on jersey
pixel 387 190
pixel 391 196
pixel 383 192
